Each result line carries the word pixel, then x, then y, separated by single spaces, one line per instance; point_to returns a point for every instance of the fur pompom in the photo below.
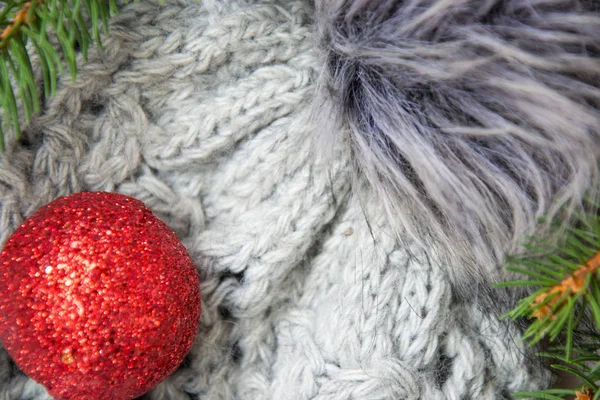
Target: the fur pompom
pixel 470 118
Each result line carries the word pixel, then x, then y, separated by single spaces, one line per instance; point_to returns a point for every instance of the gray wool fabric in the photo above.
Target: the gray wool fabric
pixel 291 146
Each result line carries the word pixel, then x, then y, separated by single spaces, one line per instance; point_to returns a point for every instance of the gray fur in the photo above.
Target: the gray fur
pixel 470 119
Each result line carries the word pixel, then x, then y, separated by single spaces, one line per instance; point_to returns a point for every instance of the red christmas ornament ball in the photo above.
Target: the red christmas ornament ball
pixel 98 298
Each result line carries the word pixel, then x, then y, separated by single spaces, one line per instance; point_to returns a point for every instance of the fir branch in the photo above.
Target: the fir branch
pixel 572 286
pixel 27 27
pixel 558 394
pixel 15 25
pixel 567 278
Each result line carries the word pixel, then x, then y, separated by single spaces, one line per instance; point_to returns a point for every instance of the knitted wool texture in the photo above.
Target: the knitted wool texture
pixel 206 112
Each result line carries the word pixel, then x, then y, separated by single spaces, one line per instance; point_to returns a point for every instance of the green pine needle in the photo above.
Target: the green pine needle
pixel 574 372
pixel 25 28
pixel 544 394
pixel 565 282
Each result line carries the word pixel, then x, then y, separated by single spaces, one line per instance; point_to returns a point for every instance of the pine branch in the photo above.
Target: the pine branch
pixel 567 278
pixel 29 27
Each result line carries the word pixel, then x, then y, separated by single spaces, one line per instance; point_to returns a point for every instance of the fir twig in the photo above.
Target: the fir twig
pixel 26 27
pixel 567 278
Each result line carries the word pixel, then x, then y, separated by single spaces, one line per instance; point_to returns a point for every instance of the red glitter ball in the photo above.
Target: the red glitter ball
pixel 98 298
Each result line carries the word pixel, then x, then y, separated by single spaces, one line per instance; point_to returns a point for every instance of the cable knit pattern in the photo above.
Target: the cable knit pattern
pixel 201 111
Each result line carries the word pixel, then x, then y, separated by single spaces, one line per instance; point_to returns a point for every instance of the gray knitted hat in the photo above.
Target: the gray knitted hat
pixel 346 175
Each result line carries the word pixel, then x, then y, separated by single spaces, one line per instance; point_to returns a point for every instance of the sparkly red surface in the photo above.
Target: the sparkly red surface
pixel 98 298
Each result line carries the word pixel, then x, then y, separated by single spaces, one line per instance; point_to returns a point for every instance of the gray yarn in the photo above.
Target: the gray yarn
pixel 206 112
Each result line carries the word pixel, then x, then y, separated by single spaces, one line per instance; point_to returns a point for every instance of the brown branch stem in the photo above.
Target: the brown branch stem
pixel 572 284
pixel 15 25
